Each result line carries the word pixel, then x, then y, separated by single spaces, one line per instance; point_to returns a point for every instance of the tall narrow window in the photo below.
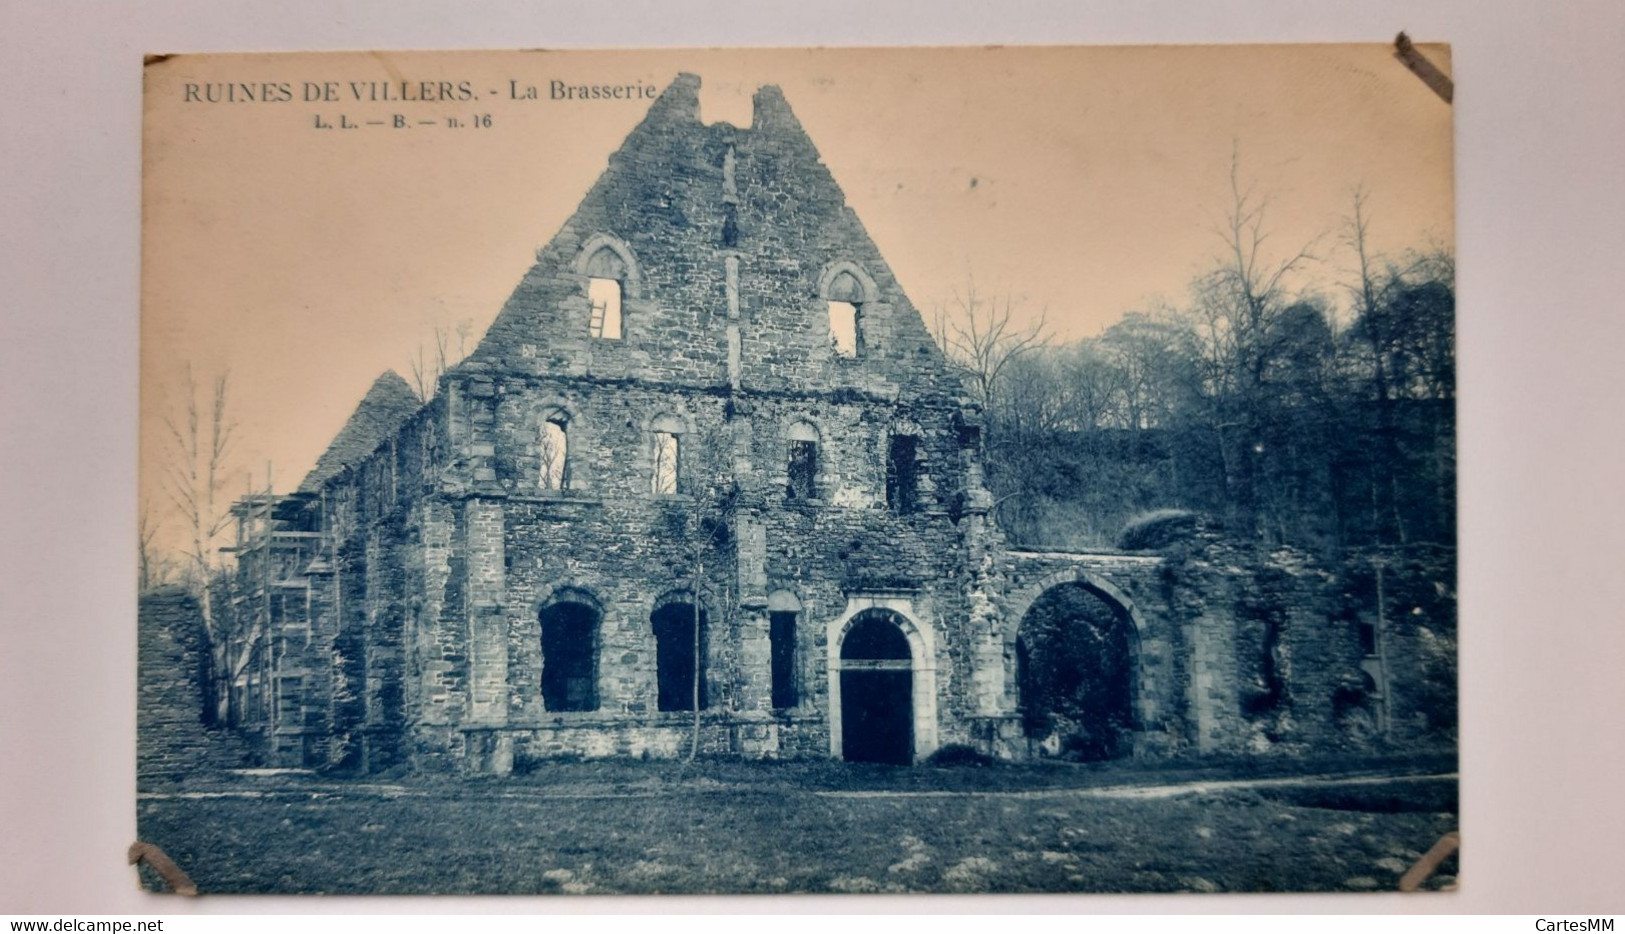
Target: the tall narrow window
pixel 845 296
pixel 902 474
pixel 555 453
pixel 782 647
pixel 605 298
pixel 666 476
pixel 606 270
pixel 680 654
pixel 1368 638
pixel 803 465
pixel 782 610
pixel 803 469
pixel 843 328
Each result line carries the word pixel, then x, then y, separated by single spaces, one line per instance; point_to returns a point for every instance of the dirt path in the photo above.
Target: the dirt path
pixel 1127 790
pixel 1156 791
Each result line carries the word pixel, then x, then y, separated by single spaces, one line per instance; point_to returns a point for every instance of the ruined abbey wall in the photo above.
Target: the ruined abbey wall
pixel 528 494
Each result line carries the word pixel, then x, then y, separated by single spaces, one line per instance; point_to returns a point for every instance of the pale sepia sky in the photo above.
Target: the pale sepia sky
pixel 1084 182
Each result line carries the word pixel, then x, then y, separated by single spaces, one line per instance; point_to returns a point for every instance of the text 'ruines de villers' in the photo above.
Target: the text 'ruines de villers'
pixel 328 92
pixel 280 92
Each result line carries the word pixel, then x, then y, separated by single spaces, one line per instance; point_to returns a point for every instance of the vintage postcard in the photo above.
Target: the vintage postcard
pixel 804 471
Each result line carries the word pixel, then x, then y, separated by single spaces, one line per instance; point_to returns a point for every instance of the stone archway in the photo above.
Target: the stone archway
pixel 877 687
pixel 1077 672
pixel 898 614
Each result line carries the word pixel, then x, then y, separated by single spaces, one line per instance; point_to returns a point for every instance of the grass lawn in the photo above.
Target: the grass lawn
pixel 725 827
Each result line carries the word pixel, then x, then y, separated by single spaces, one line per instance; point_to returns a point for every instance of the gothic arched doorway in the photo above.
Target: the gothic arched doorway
pixel 877 691
pixel 1075 671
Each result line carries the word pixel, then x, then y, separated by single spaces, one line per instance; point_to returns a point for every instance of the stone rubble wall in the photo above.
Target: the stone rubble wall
pixel 172 743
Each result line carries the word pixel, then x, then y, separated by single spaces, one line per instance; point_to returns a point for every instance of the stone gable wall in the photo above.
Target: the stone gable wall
pixel 668 195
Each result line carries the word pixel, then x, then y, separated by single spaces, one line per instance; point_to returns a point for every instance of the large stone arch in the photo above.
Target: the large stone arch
pixel 1141 699
pixel 917 628
pixel 1022 600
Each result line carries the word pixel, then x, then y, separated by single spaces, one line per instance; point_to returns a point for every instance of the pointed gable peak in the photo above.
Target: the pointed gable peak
pixel 389 380
pixel 679 101
pixel 770 110
pixel 684 90
pixel 680 104
pixel 388 393
pixel 389 402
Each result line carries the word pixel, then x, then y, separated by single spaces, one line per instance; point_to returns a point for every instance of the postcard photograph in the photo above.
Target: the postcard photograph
pixel 932 470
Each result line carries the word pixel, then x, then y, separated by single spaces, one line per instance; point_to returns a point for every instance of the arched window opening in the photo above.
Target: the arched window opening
pixel 666 476
pixel 903 474
pixel 679 657
pixel 605 297
pixel 803 465
pixel 665 472
pixel 782 610
pixel 843 328
pixel 606 274
pixel 845 297
pixel 555 452
pixel 570 656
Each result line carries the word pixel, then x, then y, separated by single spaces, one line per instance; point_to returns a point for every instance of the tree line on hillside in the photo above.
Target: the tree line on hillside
pixel 1252 405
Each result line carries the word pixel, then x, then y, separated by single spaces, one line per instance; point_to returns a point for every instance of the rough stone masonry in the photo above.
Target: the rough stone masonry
pixel 708 455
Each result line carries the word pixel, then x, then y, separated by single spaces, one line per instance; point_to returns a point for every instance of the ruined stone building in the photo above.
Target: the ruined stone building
pixel 709 452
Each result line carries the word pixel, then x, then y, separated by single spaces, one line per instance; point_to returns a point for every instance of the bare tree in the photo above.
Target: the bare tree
pixel 1150 355
pixel 1245 295
pixel 1239 307
pixel 1404 332
pixel 1370 324
pixel 194 479
pixel 1355 228
pixel 449 348
pixel 156 566
pixel 1000 364
pixel 701 518
pixel 980 336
